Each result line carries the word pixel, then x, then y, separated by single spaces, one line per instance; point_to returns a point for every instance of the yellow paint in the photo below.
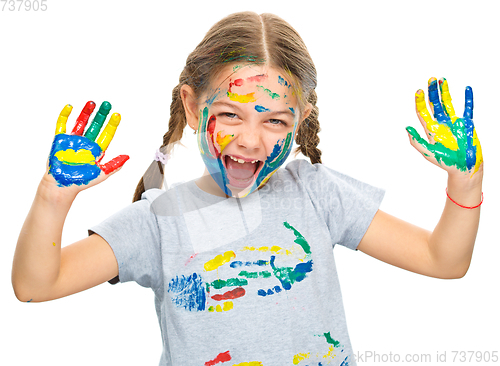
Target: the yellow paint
pixel 228 305
pixel 109 131
pixel 219 260
pixel 245 98
pixel 300 357
pixel 441 132
pixel 446 98
pixel 330 352
pixel 218 309
pixel 252 363
pixel 79 157
pixel 274 249
pixel 54 244
pixel 223 141
pixel 479 152
pixel 63 118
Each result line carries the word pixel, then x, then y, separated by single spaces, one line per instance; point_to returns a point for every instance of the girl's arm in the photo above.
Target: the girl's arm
pixel 41 271
pixel 453 145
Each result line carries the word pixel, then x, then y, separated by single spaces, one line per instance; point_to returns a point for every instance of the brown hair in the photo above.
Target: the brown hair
pixel 243 38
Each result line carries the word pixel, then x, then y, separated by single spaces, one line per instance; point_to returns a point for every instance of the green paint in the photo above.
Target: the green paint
pixel 299 238
pixel 230 282
pixel 330 340
pixel 264 274
pixel 442 154
pixel 269 92
pixel 98 121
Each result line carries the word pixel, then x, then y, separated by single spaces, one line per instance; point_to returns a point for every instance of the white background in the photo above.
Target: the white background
pixel 371 57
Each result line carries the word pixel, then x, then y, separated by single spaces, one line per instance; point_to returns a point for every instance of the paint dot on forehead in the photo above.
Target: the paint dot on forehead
pixel 260 108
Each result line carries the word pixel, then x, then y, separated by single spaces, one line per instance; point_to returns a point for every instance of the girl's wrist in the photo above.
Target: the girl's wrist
pixel 50 193
pixel 466 190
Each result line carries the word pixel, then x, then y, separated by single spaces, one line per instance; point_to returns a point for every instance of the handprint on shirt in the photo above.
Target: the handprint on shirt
pixel 453 142
pixel 75 158
pixel 193 293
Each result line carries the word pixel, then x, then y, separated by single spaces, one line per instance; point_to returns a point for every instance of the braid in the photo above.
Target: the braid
pixel 307 136
pixel 153 178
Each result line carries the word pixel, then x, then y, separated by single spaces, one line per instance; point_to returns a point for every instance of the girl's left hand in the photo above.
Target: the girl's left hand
pixel 453 144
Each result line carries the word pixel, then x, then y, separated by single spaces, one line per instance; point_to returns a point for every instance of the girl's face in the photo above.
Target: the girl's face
pixel 246 124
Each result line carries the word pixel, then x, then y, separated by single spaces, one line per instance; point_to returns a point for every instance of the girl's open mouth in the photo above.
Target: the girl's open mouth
pixel 241 173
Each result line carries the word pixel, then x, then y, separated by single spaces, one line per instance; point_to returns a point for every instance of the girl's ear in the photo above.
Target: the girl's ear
pixel 190 103
pixel 307 112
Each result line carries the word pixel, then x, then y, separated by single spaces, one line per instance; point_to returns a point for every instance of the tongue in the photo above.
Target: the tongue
pixel 240 171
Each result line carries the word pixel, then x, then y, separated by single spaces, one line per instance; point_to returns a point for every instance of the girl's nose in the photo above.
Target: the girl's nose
pixel 249 137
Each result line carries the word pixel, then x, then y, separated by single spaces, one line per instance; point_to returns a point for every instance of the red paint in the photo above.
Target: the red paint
pixel 233 294
pixel 114 164
pixel 211 139
pixel 83 118
pixel 237 82
pixel 221 357
pixel 257 78
pixel 211 125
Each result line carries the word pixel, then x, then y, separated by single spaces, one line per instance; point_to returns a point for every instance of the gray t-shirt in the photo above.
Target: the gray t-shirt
pixel 248 281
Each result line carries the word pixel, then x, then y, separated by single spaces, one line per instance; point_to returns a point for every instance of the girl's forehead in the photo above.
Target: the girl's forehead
pixel 265 81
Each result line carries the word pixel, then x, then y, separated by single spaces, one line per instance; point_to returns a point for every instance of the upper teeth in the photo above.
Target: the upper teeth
pixel 241 161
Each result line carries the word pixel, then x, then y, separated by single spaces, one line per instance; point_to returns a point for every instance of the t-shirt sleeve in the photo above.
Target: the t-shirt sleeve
pixel 134 237
pixel 346 204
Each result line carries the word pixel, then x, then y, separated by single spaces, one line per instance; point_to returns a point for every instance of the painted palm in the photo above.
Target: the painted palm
pixel 75 158
pixel 453 142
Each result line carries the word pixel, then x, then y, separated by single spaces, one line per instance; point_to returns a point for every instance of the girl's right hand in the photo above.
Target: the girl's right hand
pixel 75 159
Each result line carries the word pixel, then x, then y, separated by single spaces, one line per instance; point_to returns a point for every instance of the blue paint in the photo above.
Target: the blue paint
pixel 469 102
pixel 283 82
pixel 291 109
pixel 439 112
pixel 261 109
pixel 188 292
pixel 237 264
pixel 65 174
pixel 288 276
pixel 345 362
pixel 210 100
pixel 470 152
pixel 275 289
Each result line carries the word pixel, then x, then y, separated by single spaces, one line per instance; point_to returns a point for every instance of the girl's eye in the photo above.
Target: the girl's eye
pixel 230 115
pixel 277 122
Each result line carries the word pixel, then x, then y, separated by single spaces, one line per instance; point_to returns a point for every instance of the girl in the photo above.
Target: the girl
pixel 241 260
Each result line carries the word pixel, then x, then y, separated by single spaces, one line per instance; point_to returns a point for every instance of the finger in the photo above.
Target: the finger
pixel 98 121
pixel 469 102
pixel 418 142
pixel 109 131
pixel 114 164
pixel 440 132
pixel 446 98
pixel 479 152
pixel 63 118
pixel 83 118
pixel 436 105
pixel 423 114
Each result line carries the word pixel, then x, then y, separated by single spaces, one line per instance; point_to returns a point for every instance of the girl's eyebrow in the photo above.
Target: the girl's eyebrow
pixel 223 103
